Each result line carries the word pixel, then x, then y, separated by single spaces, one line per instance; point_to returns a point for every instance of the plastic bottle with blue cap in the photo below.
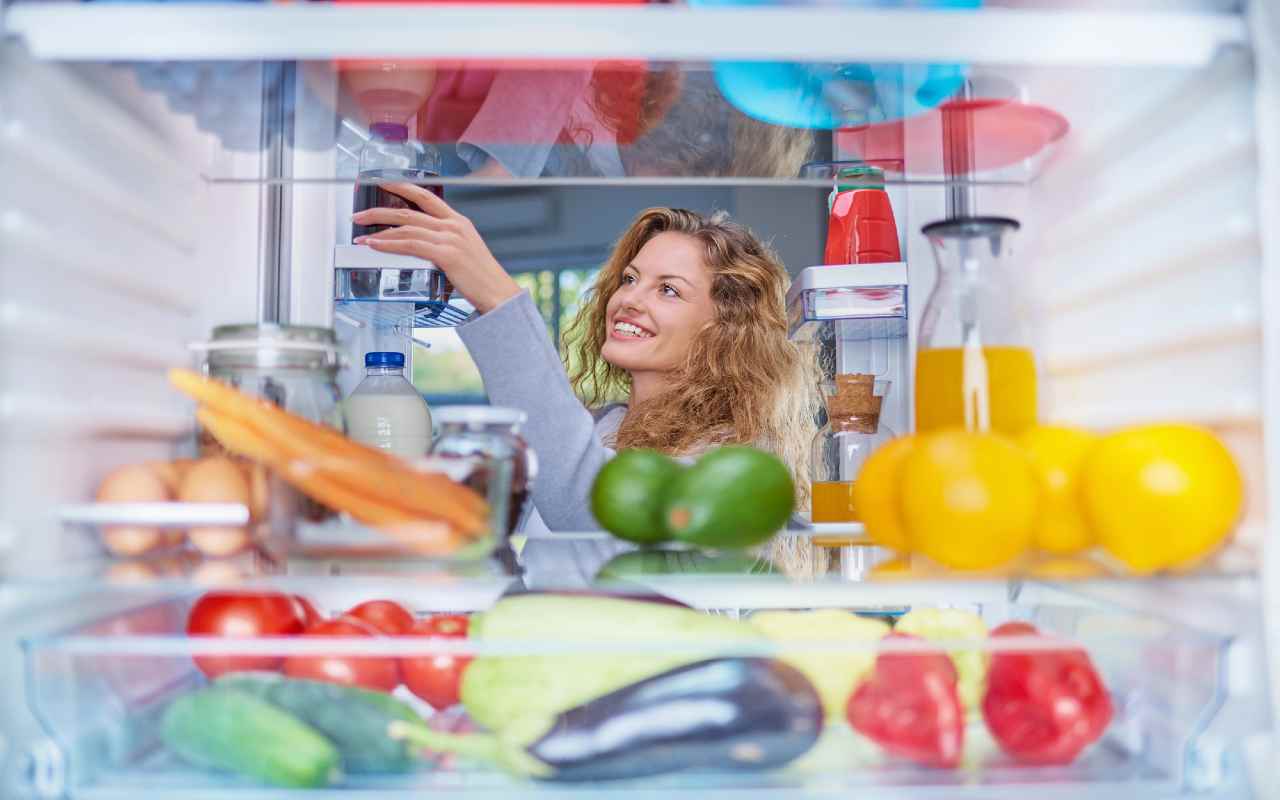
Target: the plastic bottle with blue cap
pixel 386 411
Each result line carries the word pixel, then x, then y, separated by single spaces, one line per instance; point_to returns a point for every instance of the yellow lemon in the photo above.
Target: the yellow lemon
pixel 1158 496
pixel 969 500
pixel 875 494
pixel 1057 453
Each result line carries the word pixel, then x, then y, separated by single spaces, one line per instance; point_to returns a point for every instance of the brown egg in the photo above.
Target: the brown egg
pixel 172 472
pixel 130 572
pixel 218 572
pixel 136 483
pixel 216 480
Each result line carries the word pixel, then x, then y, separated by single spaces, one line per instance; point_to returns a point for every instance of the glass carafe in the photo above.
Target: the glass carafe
pixel 852 433
pixel 974 365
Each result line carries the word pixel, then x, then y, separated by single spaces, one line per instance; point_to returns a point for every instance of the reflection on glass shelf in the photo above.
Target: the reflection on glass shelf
pixel 617 120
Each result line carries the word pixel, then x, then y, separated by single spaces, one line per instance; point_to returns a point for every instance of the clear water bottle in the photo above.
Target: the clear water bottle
pixel 385 411
pixel 390 156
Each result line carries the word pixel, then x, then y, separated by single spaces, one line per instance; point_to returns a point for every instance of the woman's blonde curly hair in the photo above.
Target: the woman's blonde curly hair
pixel 743 380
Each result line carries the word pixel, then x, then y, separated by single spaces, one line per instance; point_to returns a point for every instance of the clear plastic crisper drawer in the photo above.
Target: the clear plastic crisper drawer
pixel 548 663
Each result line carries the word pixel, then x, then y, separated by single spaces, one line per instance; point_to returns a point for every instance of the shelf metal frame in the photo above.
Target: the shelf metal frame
pixel 305 31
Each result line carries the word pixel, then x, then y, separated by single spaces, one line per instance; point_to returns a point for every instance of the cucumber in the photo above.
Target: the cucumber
pixel 235 731
pixel 354 719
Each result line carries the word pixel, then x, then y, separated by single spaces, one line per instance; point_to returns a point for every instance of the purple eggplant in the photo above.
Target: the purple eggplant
pixel 724 714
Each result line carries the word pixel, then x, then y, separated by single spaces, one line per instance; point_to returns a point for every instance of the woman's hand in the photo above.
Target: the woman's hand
pixel 443 237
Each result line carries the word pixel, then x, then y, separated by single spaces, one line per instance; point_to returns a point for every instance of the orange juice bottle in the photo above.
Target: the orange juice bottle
pixel 973 368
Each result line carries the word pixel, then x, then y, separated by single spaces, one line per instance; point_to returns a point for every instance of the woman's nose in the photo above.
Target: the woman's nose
pixel 630 299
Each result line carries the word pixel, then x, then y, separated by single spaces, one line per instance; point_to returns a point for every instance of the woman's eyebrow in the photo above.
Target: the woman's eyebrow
pixel 675 278
pixel 669 277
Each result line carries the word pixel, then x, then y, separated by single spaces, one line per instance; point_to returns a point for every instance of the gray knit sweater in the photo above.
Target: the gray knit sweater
pixel 521 369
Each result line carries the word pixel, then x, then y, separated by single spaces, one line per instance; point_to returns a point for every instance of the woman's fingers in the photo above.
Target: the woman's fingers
pixel 405 232
pixel 424 199
pixel 395 216
pixel 417 247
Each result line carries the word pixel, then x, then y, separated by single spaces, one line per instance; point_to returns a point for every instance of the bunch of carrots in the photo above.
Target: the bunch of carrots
pixel 425 511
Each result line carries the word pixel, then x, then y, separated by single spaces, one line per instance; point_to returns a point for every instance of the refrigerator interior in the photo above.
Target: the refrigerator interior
pixel 158 188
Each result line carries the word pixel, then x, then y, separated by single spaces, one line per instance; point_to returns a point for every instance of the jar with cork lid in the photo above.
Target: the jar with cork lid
pixel 852 433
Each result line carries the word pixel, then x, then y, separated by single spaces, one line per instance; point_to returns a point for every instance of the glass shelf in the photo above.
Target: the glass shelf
pixel 638 122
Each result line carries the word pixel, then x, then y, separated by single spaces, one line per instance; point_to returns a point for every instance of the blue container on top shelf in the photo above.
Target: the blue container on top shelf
pixel 825 95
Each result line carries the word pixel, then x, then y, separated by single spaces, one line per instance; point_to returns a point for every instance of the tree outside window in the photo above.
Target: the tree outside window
pixel 442 368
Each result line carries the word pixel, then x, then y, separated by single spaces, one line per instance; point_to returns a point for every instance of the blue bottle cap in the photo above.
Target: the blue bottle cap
pixel 381 359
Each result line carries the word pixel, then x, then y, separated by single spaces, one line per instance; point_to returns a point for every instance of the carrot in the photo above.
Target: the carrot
pixel 431 537
pixel 371 469
pixel 234 403
pixel 413 493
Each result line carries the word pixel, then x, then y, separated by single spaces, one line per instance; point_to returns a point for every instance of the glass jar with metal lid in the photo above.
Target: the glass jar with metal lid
pixel 494 432
pixel 293 366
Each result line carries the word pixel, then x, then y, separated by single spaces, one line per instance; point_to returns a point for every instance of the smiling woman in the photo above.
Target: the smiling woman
pixel 685 321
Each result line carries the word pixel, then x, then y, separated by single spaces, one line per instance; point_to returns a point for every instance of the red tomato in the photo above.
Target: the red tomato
pixel 242 615
pixel 369 672
pixel 311 615
pixel 385 616
pixel 436 679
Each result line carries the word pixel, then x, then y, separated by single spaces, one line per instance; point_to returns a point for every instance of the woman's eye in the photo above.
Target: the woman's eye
pixel 628 279
pixel 669 290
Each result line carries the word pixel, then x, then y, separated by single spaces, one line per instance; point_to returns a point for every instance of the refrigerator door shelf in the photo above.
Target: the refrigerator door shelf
pixel 852 292
pixel 381 290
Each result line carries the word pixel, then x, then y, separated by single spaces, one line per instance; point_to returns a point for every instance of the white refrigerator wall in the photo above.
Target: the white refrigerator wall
pixel 114 254
pixel 1143 273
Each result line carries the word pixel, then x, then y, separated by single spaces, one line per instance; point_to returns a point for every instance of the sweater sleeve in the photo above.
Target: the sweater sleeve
pixel 521 369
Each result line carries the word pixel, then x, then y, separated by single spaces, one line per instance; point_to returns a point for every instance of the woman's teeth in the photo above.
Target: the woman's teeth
pixel 627 329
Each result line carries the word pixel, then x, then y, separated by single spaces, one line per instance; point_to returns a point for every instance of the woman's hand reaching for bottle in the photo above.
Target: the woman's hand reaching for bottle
pixel 444 237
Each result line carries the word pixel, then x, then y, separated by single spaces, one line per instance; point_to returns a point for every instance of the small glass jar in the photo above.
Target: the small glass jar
pixel 295 367
pixel 852 433
pixel 495 432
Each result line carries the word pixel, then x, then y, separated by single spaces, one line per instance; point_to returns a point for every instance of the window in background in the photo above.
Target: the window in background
pixel 442 367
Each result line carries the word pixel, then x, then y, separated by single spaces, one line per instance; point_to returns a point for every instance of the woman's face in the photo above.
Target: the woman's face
pixel 662 301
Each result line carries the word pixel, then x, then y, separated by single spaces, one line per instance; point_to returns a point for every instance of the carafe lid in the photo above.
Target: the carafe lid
pixel 970 227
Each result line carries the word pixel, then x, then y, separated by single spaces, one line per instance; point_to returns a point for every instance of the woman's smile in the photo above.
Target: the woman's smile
pixel 625 329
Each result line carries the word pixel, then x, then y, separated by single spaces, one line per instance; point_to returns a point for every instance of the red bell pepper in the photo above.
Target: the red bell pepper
pixel 910 707
pixel 1044 706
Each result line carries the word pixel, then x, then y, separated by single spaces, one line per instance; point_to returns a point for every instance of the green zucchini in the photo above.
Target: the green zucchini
pixel 354 719
pixel 235 731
